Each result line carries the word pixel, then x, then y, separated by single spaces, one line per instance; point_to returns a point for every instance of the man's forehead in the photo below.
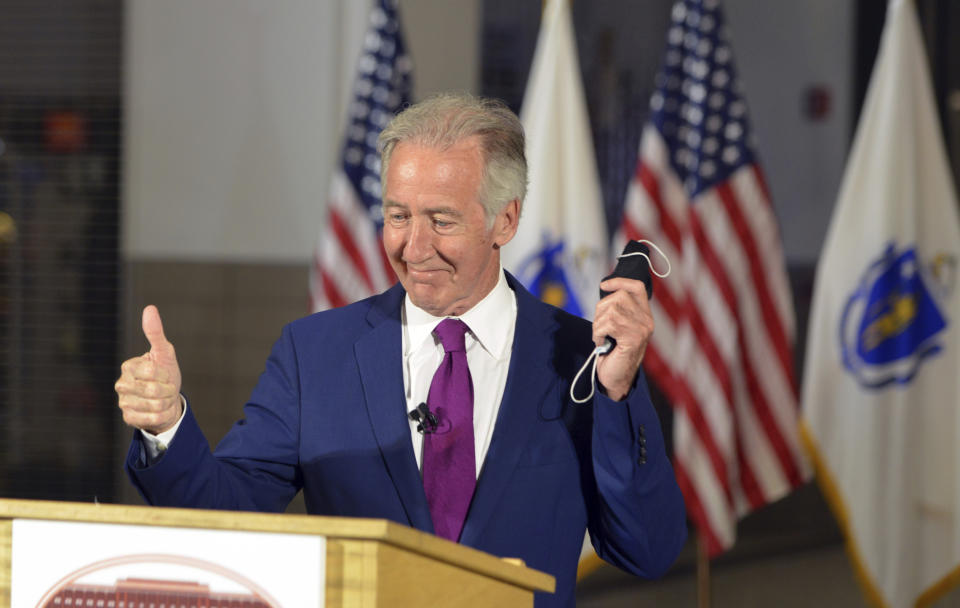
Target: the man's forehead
pixel 470 143
pixel 417 167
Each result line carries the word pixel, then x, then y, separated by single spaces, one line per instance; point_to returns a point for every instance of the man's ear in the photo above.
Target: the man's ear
pixel 506 222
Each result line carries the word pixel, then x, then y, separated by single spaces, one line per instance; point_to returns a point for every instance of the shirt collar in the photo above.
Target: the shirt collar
pixel 485 320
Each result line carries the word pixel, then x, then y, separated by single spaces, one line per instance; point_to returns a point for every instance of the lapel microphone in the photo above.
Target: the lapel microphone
pixel 426 420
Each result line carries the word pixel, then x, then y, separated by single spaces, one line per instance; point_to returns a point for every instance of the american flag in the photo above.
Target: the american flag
pixel 722 348
pixel 349 261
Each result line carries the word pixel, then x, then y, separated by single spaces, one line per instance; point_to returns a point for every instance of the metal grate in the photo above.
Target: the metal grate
pixel 60 120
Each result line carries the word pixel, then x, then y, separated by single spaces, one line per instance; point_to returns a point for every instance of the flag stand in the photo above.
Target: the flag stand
pixel 703 573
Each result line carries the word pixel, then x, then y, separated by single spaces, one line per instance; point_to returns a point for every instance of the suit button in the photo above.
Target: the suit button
pixel 642 460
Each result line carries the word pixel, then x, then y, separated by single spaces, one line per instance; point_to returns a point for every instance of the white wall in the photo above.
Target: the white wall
pixel 782 48
pixel 234 111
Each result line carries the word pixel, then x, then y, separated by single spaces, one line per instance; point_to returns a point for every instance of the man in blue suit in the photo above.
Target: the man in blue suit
pixel 329 415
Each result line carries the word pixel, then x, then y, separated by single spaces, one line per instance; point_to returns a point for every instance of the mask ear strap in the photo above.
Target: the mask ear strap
pixel 649 261
pixel 595 356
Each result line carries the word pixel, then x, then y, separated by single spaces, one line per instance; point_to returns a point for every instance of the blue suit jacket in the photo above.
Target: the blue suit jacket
pixel 328 417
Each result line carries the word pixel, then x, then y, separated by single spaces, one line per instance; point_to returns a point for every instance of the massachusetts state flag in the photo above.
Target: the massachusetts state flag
pixel 722 351
pixel 881 391
pixel 349 262
pixel 560 250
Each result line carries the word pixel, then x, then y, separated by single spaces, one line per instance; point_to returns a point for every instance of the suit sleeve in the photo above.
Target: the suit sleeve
pixel 255 467
pixel 637 519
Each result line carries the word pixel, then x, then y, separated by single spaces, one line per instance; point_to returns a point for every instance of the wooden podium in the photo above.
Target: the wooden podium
pixel 369 562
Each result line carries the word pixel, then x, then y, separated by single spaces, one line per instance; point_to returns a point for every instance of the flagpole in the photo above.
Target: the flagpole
pixel 703 573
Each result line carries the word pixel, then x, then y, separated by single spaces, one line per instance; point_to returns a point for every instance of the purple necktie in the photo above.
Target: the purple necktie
pixel 449 461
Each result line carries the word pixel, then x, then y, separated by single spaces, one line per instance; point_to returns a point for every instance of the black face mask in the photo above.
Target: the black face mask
pixel 633 263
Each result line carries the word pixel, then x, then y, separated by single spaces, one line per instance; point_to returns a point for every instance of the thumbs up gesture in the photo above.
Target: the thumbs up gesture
pixel 149 385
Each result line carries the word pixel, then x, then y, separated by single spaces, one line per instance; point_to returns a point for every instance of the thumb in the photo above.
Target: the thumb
pixel 153 330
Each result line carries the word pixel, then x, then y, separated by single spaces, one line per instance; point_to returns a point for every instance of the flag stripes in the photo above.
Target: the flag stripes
pixel 721 351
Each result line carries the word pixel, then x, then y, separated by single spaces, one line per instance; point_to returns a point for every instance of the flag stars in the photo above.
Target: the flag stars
pixel 363 87
pixel 704 47
pixel 388 48
pixel 700 69
pixel 698 93
pixel 353 155
pixel 695 115
pixel 720 79
pixel 707 169
pixel 722 55
pixel 656 101
pixel 384 71
pixel 675 35
pixel 379 118
pixel 733 131
pixel 679 13
pixel 697 105
pixel 382 86
pixel 707 24
pixel 367 64
pixel 372 42
pixel 371 185
pixel 360 109
pixel 380 94
pixel 357 132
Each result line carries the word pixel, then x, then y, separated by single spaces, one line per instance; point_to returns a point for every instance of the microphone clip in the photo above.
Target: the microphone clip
pixel 426 420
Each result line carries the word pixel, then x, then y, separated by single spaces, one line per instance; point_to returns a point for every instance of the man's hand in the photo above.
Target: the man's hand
pixel 149 385
pixel 625 316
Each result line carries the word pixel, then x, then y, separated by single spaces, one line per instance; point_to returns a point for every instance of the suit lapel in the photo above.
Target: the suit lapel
pixel 380 359
pixel 528 381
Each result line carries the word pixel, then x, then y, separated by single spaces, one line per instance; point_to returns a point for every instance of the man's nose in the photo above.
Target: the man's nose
pixel 419 246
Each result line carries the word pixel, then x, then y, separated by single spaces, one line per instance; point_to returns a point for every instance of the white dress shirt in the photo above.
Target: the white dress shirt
pixel 489 345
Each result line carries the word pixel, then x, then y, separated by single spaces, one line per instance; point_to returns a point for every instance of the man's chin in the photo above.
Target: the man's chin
pixel 424 298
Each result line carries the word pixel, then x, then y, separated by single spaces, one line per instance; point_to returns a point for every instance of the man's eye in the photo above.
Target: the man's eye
pixel 442 223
